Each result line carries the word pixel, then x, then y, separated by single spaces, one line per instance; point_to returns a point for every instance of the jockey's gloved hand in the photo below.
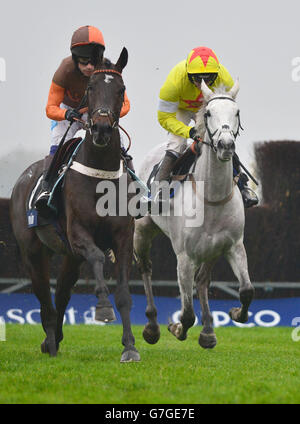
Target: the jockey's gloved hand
pixel 193 134
pixel 71 114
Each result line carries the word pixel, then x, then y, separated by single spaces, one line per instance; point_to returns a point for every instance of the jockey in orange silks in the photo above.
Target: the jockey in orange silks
pixel 67 89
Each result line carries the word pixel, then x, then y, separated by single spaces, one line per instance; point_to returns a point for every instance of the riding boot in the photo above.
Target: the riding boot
pixel 42 198
pixel 162 175
pixel 164 172
pixel 166 166
pixel 249 196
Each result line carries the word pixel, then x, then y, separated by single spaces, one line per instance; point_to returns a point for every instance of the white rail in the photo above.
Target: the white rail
pixel 229 287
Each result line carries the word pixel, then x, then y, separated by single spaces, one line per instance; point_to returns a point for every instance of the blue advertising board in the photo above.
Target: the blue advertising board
pixel 25 308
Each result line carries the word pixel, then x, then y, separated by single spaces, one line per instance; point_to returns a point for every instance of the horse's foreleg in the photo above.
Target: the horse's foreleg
pixel 68 276
pixel 84 246
pixel 123 253
pixel 207 338
pixel 238 260
pixel 185 272
pixel 145 231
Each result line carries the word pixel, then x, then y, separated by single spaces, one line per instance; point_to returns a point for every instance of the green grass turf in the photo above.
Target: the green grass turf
pixel 248 365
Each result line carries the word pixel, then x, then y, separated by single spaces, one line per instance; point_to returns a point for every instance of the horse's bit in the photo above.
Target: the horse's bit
pixel 107 113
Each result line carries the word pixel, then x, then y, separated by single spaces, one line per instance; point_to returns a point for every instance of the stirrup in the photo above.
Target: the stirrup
pixel 158 196
pixel 42 197
pixel 41 204
pixel 249 197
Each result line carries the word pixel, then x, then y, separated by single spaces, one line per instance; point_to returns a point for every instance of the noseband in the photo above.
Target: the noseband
pixel 210 134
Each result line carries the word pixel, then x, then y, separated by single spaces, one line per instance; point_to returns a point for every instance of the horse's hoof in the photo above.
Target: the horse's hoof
pixel 207 341
pixel 151 334
pixel 47 347
pixel 105 314
pixel 176 330
pixel 130 356
pixel 58 340
pixel 235 315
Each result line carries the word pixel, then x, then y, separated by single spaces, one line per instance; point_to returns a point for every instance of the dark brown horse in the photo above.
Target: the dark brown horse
pixel 88 235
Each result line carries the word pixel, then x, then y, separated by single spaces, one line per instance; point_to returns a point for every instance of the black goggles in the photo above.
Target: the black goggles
pixel 208 78
pixel 84 60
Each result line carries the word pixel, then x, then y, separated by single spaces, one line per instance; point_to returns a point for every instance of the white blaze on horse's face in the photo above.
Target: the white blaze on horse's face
pixel 108 78
pixel 222 120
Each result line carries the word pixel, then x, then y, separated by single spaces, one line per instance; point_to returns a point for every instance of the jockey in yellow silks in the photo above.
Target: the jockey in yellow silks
pixel 180 94
pixel 180 99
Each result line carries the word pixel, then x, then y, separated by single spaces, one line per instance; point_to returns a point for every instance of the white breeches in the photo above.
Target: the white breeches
pixel 58 128
pixel 175 142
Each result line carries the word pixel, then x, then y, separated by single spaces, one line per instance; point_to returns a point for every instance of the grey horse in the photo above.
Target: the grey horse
pixel 219 233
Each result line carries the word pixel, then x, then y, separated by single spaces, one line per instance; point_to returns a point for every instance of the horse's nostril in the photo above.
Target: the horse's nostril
pixel 95 129
pixel 221 144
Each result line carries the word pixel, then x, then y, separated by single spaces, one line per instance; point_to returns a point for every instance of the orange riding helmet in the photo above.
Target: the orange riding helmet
pixel 86 40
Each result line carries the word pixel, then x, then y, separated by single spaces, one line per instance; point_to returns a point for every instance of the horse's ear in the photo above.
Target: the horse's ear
pixel 97 55
pixel 235 89
pixel 122 61
pixel 206 91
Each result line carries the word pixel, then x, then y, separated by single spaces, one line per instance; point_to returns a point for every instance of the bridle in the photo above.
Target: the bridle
pixel 102 112
pixel 212 134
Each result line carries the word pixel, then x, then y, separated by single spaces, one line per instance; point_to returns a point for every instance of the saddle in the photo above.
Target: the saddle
pixel 62 157
pixel 181 167
pixel 184 163
pixel 61 162
pixel 55 176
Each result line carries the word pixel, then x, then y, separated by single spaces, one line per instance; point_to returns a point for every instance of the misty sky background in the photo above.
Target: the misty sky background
pixel 256 40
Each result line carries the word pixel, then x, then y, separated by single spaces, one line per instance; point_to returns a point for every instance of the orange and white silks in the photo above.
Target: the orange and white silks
pixel 56 98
